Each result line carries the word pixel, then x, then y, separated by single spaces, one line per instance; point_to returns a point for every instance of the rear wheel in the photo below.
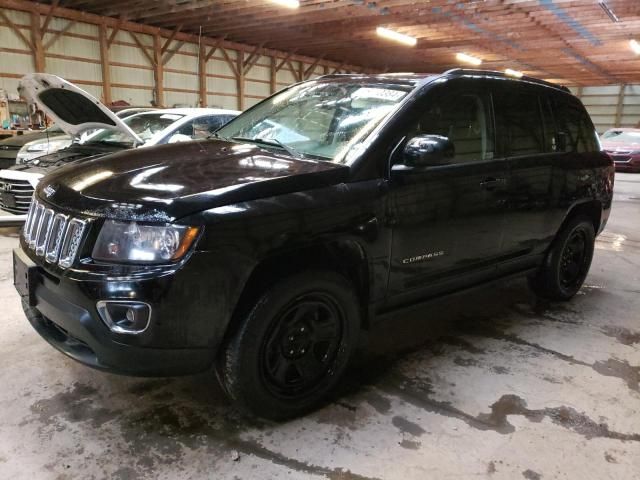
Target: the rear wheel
pixel 293 345
pixel 567 263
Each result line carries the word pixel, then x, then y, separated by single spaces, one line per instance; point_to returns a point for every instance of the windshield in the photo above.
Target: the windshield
pixel 145 125
pixel 622 136
pixel 317 119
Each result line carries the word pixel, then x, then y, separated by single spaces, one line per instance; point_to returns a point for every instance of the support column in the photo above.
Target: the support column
pixel 36 42
pixel 158 70
pixel 273 75
pixel 104 64
pixel 240 78
pixel 202 75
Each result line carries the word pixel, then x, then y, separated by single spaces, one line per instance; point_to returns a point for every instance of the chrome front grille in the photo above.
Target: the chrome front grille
pixel 54 236
pixel 19 191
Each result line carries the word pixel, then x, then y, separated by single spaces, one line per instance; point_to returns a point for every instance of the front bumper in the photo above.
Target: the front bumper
pixel 63 311
pixel 626 163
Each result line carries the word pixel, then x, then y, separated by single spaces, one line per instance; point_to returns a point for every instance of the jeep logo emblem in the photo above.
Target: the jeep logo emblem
pixel 49 190
pixel 6 187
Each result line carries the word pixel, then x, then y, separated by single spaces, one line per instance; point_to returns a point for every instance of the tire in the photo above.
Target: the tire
pixel 567 263
pixel 293 346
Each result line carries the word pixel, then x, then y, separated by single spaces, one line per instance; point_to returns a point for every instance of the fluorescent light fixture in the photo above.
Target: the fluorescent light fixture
pixel 463 57
pixel 513 73
pixel 396 37
pixel 635 46
pixel 287 3
pixel 607 9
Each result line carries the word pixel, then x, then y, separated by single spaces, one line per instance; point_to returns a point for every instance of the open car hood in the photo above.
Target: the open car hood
pixel 73 110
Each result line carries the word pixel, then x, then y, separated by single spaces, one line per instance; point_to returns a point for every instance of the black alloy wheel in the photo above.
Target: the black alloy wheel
pixel 567 263
pixel 302 346
pixel 292 346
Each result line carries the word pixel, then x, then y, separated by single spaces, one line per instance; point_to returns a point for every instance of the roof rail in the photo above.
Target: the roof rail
pixel 493 73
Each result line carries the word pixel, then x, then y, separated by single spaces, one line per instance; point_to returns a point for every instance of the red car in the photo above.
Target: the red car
pixel 623 145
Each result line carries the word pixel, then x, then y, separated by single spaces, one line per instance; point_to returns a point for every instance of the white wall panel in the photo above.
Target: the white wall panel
pixel 16 63
pixel 181 99
pixel 11 40
pixel 255 88
pixel 132 76
pixel 73 70
pixel 222 102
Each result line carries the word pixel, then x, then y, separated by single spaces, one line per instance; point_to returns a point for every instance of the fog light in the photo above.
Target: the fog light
pixel 124 316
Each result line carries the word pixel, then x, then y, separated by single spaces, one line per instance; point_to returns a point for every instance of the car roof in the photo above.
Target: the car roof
pixel 416 79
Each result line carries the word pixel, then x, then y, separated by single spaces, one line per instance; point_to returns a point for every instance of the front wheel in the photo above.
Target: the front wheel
pixel 567 264
pixel 293 345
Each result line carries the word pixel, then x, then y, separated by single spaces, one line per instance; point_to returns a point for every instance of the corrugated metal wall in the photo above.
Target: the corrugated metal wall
pixel 611 105
pixel 75 56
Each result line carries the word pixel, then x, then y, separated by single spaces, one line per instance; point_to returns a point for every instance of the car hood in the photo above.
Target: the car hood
pixel 169 182
pixel 612 146
pixel 73 110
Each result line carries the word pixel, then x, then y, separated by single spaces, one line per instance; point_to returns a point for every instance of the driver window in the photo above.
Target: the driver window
pixel 465 120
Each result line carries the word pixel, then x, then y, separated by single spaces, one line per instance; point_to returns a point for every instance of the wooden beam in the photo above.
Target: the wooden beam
pixel 254 54
pixel 104 64
pixel 171 38
pixel 16 30
pixel 253 59
pixel 214 47
pixel 240 79
pixel 202 75
pixel 273 74
pixel 36 41
pixel 620 106
pixel 232 65
pixel 170 54
pixel 284 61
pixel 158 70
pixel 294 71
pixel 142 47
pixel 57 35
pixel 338 68
pixel 52 9
pixel 309 71
pixel 115 30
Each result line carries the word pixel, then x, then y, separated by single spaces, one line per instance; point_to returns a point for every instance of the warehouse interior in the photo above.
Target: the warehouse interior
pixel 494 382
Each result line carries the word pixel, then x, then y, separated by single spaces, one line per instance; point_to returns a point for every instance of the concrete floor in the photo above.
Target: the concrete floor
pixel 511 389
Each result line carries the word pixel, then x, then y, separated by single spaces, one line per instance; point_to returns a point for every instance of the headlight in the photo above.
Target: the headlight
pixel 135 243
pixel 37 148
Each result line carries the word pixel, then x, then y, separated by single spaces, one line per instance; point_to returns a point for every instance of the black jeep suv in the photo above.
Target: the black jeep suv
pixel 266 251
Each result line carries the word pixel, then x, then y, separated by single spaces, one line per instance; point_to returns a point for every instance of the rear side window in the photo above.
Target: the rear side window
pixel 575 132
pixel 519 124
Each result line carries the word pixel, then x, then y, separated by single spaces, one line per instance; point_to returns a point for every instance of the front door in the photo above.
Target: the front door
pixel 447 220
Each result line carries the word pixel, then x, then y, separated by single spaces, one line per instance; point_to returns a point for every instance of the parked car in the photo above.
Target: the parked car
pixel 80 113
pixel 10 147
pixel 623 145
pixel 268 259
pixel 46 144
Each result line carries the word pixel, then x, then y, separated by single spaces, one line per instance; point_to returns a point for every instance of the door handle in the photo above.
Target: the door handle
pixel 491 183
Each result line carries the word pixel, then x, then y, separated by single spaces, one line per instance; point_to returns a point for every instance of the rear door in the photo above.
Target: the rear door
pixel 526 138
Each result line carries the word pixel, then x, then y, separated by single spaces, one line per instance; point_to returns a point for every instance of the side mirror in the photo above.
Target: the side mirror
pixel 428 151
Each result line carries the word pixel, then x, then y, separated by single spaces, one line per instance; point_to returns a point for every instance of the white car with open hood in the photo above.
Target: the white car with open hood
pixel 75 112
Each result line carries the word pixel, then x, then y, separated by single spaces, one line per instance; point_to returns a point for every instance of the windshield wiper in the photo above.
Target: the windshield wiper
pixel 274 142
